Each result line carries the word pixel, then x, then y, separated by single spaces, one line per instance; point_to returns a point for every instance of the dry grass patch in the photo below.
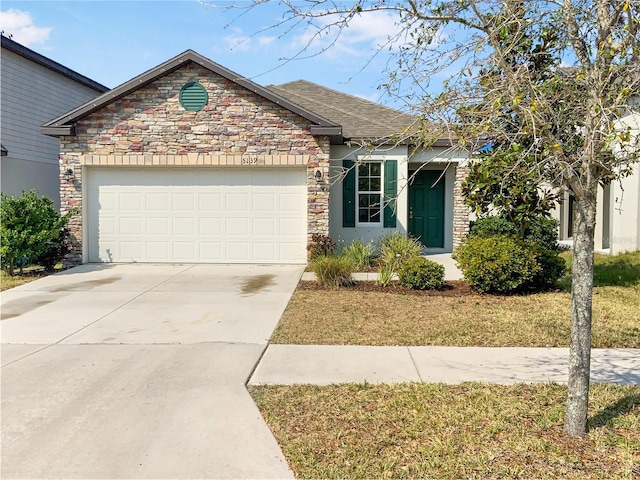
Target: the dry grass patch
pixel 29 275
pixel 352 317
pixel 439 431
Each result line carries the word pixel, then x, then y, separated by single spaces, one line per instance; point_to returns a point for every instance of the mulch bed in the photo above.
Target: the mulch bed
pixel 451 289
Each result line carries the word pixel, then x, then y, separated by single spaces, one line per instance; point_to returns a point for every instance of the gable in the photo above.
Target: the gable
pixel 65 124
pixel 151 120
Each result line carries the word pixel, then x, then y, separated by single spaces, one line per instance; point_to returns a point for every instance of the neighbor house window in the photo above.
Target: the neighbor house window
pixel 370 193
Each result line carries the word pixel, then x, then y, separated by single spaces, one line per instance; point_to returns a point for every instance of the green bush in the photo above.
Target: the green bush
pixel 28 225
pixel 362 254
pixel 540 238
pixel 492 226
pixel 332 271
pixel 552 268
pixel 498 264
pixel 543 231
pixel 396 249
pixel 55 251
pixel 421 274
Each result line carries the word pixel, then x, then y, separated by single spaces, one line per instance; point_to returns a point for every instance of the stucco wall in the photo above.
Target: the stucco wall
pixel 456 221
pixel 150 128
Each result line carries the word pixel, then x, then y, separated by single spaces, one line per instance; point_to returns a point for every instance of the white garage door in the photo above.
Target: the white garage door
pixel 206 215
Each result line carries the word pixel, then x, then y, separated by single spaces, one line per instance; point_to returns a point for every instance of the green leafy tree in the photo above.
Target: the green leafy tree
pixel 504 182
pixel 507 82
pixel 28 225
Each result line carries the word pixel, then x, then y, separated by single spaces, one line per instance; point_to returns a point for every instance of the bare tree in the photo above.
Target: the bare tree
pixel 556 76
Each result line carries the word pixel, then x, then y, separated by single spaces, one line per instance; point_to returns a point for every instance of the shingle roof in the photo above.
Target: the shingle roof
pixel 360 118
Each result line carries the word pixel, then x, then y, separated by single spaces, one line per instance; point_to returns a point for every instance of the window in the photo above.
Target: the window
pixel 370 194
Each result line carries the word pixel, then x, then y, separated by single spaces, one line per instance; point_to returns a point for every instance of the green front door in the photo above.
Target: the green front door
pixel 426 208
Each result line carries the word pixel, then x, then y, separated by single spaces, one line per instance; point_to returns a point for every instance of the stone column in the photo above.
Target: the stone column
pixel 460 210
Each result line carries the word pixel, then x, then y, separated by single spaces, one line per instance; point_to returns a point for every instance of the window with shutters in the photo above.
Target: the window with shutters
pixel 369 193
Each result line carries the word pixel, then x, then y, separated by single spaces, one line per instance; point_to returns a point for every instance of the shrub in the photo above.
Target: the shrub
pixel 28 224
pixel 421 274
pixel 321 245
pixel 332 271
pixel 362 254
pixel 552 268
pixel 540 239
pixel 55 251
pixel 385 274
pixel 396 248
pixel 491 226
pixel 497 264
pixel 543 231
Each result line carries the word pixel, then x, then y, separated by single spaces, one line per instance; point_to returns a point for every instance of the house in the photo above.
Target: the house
pixel 190 162
pixel 34 89
pixel 618 215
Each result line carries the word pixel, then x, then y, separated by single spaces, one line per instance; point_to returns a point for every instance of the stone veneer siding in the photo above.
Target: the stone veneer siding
pixel 460 210
pixel 149 128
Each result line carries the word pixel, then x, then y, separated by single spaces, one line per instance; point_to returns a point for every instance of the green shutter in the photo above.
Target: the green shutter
pixel 349 195
pixel 390 192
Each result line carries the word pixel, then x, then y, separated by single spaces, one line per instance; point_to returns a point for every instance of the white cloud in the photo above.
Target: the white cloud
pixel 366 32
pixel 266 40
pixel 20 26
pixel 239 41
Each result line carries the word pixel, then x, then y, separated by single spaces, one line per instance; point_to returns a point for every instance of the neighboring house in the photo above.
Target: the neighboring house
pixel 34 89
pixel 618 216
pixel 190 162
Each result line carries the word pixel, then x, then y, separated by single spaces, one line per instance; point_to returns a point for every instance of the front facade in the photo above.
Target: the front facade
pixel 191 163
pixel 34 90
pixel 618 216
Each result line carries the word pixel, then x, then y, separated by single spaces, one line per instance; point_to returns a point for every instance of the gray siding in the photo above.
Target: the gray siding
pixel 31 95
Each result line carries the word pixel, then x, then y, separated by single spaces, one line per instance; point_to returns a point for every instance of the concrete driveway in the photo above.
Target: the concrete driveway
pixel 138 371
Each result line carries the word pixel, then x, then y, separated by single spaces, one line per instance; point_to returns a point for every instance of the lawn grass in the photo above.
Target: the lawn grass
pixel 342 316
pixel 28 275
pixel 441 431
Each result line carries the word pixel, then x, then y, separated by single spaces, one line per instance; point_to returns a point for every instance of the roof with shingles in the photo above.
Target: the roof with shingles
pixel 359 118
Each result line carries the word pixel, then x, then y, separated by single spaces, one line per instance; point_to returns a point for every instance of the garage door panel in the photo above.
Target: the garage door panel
pixel 236 227
pixel 289 202
pixel 210 226
pixel 264 252
pixel 237 202
pixel 212 215
pixel 183 227
pixel 130 202
pixel 263 202
pixel 131 250
pixel 211 251
pixel 157 251
pixel 157 227
pixel 130 226
pixel 183 251
pixel 210 203
pixel 236 251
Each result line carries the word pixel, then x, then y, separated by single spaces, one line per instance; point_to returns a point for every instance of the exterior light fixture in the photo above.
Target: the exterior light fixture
pixel 318 175
pixel 68 174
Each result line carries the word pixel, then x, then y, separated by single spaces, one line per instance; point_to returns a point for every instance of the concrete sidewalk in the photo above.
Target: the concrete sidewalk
pixel 327 364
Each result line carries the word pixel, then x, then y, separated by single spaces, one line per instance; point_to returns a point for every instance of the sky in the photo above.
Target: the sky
pixel 113 41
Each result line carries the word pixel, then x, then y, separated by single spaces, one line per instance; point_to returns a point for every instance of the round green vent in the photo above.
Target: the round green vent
pixel 193 97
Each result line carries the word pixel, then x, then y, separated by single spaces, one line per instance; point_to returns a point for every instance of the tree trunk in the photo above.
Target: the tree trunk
pixel 575 423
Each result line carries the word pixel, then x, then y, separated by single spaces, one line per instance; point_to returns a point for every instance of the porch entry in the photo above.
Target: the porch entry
pixel 426 207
